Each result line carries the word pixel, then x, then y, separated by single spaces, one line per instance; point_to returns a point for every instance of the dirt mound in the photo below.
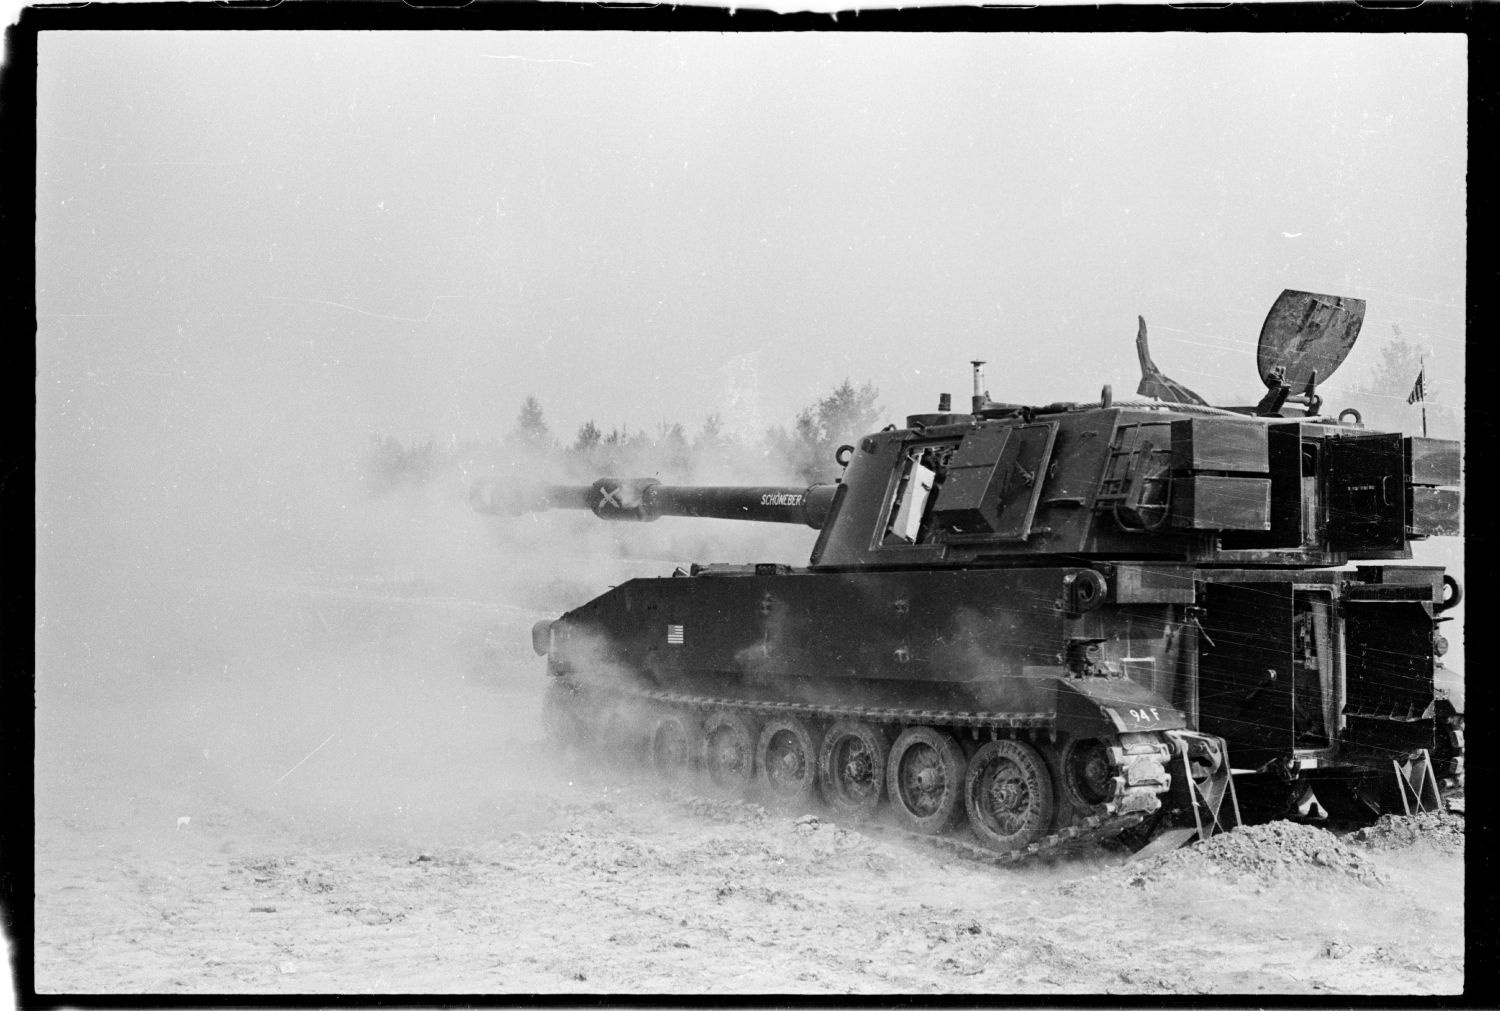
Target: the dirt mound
pixel 1268 854
pixel 1439 829
pixel 725 811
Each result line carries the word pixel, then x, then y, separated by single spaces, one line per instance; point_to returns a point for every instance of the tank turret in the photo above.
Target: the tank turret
pixel 1054 622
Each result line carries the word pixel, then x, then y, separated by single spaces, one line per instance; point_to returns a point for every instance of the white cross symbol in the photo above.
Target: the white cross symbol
pixel 607 497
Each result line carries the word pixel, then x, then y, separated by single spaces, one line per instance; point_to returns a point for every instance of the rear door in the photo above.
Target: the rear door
pixel 1245 669
pixel 1366 493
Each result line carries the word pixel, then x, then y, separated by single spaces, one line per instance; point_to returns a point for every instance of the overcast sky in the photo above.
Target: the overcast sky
pixel 255 249
pixel 409 233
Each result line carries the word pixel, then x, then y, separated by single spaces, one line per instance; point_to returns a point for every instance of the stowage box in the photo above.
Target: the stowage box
pixel 1219 444
pixel 1212 502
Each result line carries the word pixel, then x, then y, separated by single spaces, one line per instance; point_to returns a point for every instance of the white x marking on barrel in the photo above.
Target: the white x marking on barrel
pixel 607 497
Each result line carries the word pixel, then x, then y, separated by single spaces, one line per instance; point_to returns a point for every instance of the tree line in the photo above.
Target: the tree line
pixel 802 452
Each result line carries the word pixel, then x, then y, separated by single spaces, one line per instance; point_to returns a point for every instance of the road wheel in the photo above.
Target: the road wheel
pixel 728 750
pixel 1087 776
pixel 788 759
pixel 1008 795
pixel 851 767
pixel 670 747
pixel 925 777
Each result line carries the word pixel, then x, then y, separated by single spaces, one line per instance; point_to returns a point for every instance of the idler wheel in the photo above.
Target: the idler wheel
pixel 670 747
pixel 925 777
pixel 851 767
pixel 1008 795
pixel 728 750
pixel 787 757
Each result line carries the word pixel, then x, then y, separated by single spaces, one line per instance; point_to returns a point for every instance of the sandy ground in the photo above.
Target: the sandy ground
pixel 362 819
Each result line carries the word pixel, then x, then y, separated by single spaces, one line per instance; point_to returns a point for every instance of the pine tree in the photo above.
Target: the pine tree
pixel 819 429
pixel 1382 398
pixel 588 438
pixel 531 425
pixel 531 433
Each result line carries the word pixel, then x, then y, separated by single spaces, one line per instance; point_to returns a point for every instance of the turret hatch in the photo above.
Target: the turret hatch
pixel 1306 337
pixel 994 480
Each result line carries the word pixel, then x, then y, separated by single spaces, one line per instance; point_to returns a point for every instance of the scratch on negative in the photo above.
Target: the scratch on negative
pixel 365 312
pixel 179 164
pixel 311 753
pixel 533 59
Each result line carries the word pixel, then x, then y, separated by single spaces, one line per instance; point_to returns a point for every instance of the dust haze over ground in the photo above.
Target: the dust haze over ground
pixel 218 634
pixel 263 653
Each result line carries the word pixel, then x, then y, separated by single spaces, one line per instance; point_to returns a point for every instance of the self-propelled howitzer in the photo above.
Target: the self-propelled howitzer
pixel 1054 622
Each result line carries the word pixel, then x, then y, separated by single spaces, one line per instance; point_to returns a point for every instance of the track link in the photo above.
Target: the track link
pixel 993 721
pixel 1094 829
pixel 1139 780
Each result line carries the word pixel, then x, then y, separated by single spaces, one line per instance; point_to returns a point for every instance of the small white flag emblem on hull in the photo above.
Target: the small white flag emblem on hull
pixel 674 635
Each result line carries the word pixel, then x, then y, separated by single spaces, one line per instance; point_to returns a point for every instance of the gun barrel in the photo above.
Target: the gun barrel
pixel 645 499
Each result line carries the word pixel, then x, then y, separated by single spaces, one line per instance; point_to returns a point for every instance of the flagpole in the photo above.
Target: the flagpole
pixel 1422 373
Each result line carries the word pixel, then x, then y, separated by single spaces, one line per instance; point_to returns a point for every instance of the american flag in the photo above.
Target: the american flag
pixel 1419 392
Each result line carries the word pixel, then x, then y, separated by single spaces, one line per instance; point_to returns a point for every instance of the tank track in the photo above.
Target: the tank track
pixel 1093 829
pixel 1139 776
pixel 869 714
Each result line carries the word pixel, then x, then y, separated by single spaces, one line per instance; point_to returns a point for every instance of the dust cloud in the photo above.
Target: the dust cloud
pixel 230 619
